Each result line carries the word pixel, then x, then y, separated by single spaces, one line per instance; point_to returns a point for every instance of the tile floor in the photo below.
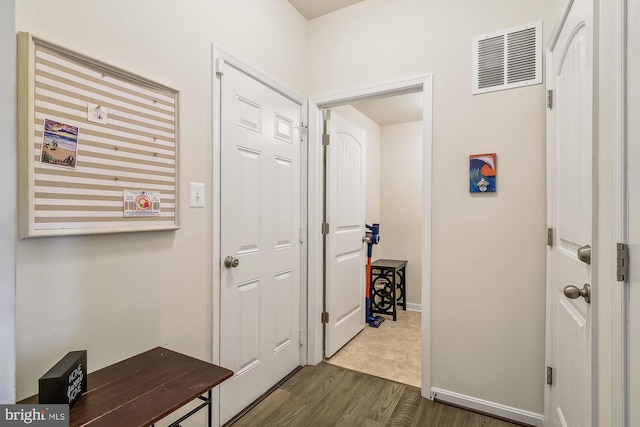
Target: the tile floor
pixel 392 351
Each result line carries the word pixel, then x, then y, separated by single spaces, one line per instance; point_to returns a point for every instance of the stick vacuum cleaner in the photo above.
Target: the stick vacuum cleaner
pixel 373 238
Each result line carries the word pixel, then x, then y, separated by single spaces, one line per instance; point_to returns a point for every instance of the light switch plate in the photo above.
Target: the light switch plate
pixel 196 195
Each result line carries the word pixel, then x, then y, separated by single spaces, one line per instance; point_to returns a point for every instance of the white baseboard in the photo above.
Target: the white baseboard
pixel 411 306
pixel 491 408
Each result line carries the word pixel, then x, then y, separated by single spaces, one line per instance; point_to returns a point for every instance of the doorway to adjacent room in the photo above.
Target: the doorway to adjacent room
pixel 420 85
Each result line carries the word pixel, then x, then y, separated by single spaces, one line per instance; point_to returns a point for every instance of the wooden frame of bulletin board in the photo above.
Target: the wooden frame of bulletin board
pixel 97 146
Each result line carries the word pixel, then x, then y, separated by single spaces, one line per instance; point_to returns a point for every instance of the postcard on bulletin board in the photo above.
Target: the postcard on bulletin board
pixel 88 133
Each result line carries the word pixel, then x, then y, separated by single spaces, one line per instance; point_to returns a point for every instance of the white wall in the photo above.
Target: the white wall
pixel 8 196
pixel 401 206
pixel 117 295
pixel 488 264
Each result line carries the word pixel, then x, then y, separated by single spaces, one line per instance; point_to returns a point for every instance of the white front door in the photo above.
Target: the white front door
pixel 345 250
pixel 570 207
pixel 260 226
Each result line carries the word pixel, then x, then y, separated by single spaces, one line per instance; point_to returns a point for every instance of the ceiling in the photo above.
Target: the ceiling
pixel 384 111
pixel 392 110
pixel 311 9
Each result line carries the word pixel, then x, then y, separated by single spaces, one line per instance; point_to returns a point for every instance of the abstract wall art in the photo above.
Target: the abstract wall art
pixel 482 173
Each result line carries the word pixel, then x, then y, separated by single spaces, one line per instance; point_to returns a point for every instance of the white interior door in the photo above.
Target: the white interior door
pixel 570 186
pixel 345 250
pixel 260 226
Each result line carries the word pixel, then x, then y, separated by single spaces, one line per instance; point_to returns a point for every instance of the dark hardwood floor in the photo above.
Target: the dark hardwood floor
pixel 328 395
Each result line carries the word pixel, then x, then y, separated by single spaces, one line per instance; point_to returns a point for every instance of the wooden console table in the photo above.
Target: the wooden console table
pixel 144 389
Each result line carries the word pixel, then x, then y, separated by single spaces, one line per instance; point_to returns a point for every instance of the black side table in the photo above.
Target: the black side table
pixel 388 286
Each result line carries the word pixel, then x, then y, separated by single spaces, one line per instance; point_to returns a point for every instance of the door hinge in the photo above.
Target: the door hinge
pixel 550 237
pixel 300 337
pixel 326 139
pixel 550 99
pixel 301 236
pixel 219 66
pixel 549 375
pixel 622 264
pixel 325 228
pixel 303 130
pixel 325 317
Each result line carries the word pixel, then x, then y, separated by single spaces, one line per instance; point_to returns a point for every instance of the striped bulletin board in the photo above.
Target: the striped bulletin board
pixel 97 146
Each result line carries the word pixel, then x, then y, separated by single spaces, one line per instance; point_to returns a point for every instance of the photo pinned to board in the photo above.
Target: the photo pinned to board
pixel 59 144
pixel 482 173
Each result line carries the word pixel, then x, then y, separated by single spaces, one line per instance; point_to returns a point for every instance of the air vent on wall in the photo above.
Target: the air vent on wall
pixel 507 59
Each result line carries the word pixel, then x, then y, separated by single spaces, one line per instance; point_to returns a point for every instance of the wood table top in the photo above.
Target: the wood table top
pixel 389 263
pixel 143 389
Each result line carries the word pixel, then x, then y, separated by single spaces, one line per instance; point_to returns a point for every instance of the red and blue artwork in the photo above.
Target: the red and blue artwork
pixel 482 173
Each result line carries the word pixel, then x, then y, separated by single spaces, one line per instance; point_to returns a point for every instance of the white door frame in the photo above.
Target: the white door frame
pixel 222 59
pixel 619 223
pixel 422 83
